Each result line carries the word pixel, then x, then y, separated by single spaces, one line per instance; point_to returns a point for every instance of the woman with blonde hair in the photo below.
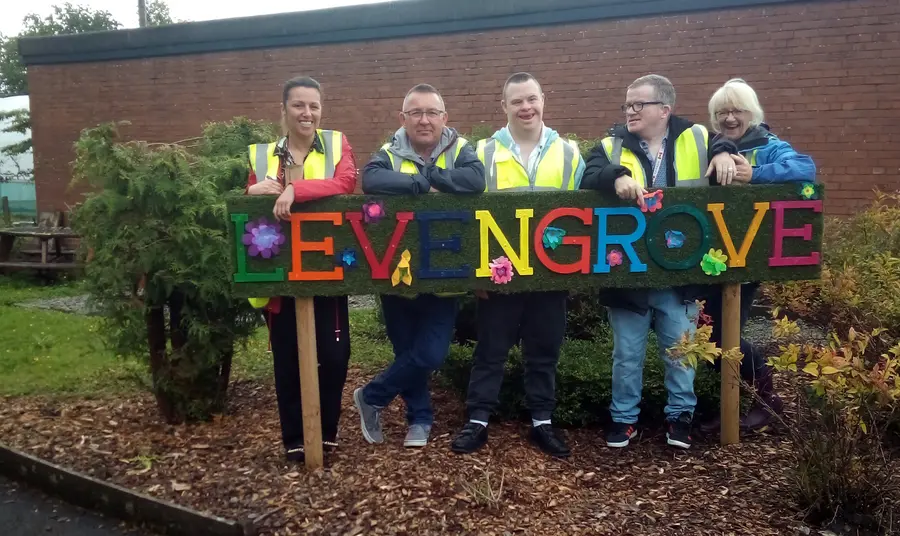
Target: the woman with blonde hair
pixel 735 114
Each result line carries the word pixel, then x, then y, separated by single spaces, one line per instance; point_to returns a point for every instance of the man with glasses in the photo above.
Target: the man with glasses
pixel 654 149
pixel 423 156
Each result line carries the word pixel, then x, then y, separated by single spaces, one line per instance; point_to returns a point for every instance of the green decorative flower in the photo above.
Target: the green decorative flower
pixel 808 191
pixel 713 263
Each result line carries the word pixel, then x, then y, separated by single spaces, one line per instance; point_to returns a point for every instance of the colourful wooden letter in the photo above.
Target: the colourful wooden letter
pixel 626 241
pixel 298 246
pixel 805 232
pixel 240 257
pixel 584 263
pixel 380 269
pixel 738 259
pixel 427 245
pixel 520 262
pixel 655 249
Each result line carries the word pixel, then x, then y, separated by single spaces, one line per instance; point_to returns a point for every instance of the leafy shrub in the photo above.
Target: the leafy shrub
pixel 845 399
pixel 583 382
pixel 154 225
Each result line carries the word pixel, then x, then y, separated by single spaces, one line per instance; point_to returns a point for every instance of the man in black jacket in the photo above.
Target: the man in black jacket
pixel 424 156
pixel 654 149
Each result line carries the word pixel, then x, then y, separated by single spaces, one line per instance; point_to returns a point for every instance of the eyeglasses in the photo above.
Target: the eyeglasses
pixel 417 114
pixel 723 114
pixel 638 106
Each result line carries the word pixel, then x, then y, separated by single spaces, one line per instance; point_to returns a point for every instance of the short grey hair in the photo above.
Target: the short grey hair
pixel 662 87
pixel 424 89
pixel 736 93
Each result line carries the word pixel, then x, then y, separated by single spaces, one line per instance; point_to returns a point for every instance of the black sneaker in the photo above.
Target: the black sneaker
pixel 678 432
pixel 472 437
pixel 545 437
pixel 295 454
pixel 620 434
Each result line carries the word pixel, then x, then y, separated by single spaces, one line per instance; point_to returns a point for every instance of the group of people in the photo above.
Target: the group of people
pixel 653 149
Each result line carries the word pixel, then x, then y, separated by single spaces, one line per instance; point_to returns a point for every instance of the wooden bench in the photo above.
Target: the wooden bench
pixel 8 239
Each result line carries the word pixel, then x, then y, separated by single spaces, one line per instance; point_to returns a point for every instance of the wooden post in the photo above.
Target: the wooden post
pixel 309 382
pixel 731 388
pixel 7 215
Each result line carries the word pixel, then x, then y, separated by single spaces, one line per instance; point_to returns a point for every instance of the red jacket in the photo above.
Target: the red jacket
pixel 343 182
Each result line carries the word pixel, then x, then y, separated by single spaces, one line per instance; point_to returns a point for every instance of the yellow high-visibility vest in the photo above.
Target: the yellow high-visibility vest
pixel 408 166
pixel 264 162
pixel 317 166
pixel 691 159
pixel 555 171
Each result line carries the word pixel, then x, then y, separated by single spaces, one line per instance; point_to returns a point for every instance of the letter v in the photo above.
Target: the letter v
pixel 738 259
pixel 380 269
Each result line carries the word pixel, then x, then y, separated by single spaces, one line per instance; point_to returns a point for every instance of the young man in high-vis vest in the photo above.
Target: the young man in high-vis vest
pixel 655 149
pixel 307 163
pixel 424 156
pixel 525 156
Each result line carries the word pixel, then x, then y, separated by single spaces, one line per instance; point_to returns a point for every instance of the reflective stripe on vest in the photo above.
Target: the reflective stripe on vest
pixel 753 157
pixel 555 171
pixel 691 159
pixel 316 166
pixel 408 166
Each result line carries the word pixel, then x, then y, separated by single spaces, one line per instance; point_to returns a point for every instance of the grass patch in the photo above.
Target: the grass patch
pixel 53 353
pixel 20 288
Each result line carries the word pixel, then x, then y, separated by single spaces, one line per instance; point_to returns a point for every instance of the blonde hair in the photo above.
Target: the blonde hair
pixel 738 94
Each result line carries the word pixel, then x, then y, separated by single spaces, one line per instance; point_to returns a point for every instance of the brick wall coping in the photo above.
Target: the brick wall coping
pixel 402 18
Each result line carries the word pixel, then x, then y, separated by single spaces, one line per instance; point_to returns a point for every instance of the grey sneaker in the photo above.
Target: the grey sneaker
pixel 417 435
pixel 369 418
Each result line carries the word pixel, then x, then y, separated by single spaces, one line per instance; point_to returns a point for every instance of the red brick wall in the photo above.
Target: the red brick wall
pixel 827 74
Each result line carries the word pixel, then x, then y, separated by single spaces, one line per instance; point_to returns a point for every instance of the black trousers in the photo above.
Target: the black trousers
pixel 754 363
pixel 333 352
pixel 539 319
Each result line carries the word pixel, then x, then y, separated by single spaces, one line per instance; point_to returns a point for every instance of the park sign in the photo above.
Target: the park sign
pixel 514 242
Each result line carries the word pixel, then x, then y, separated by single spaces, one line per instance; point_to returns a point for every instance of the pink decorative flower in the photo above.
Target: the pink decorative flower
pixel 614 257
pixel 652 201
pixel 501 270
pixel 373 211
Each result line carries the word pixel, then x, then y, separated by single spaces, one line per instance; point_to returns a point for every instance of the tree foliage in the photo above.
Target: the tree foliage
pixel 155 225
pixel 63 20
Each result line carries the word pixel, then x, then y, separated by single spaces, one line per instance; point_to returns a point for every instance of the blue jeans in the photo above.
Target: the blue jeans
pixel 671 318
pixel 420 330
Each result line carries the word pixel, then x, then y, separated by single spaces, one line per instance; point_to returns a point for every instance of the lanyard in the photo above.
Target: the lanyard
pixel 659 159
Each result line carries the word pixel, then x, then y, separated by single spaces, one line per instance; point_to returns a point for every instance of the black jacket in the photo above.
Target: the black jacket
pixel 466 177
pixel 600 174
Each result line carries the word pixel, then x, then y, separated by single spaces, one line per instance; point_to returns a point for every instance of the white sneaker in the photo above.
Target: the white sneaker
pixel 417 435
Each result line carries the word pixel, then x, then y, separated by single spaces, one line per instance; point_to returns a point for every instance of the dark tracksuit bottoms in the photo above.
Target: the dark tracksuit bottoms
pixel 539 320
pixel 333 352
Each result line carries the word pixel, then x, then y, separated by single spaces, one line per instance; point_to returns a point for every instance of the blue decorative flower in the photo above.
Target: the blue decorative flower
pixel 347 258
pixel 674 239
pixel 553 237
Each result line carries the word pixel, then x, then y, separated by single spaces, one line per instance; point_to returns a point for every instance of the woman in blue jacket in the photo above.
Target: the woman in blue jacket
pixel 735 114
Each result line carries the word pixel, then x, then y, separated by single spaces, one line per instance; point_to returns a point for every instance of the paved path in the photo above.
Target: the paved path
pixel 27 512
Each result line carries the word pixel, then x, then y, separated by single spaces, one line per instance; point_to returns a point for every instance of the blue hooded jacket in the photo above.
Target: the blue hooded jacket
pixel 775 160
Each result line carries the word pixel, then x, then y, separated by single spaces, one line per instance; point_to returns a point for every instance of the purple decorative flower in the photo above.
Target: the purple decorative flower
pixel 263 238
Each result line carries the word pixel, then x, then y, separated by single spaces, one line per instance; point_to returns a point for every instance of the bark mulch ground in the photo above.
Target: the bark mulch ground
pixel 234 467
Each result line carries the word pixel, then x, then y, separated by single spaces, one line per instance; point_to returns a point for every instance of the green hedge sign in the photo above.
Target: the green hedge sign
pixel 516 242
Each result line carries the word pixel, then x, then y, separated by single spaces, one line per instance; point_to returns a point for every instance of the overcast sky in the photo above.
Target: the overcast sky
pixel 125 11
